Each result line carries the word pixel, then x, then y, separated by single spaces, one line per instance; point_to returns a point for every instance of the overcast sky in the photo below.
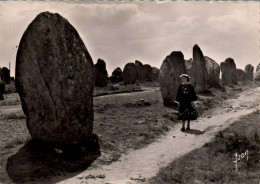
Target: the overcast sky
pixel 146 31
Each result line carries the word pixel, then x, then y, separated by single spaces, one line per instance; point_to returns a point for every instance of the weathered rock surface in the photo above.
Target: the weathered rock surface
pixel 228 70
pixel 148 73
pixel 54 79
pixel 5 75
pixel 130 73
pixel 140 71
pixel 249 69
pixel 100 73
pixel 156 73
pixel 257 76
pixel 117 75
pixel 171 69
pixel 2 89
pixel 213 70
pixel 241 75
pixel 196 69
pixel 258 67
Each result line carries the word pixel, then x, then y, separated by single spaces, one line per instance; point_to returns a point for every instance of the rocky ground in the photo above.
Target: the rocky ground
pixel 130 127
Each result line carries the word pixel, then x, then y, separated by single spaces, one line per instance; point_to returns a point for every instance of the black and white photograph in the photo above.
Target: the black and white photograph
pixel 129 92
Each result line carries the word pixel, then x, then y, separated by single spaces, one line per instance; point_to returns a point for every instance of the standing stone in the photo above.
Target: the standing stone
pixel 130 73
pixel 257 76
pixel 2 89
pixel 233 70
pixel 241 75
pixel 197 70
pixel 258 67
pixel 156 73
pixel 249 69
pixel 228 70
pixel 100 73
pixel 6 75
pixel 213 70
pixel 54 79
pixel 226 73
pixel 117 75
pixel 140 70
pixel 148 73
pixel 171 69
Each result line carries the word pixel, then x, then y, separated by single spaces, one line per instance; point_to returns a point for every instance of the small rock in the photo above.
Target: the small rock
pixel 147 103
pixel 58 151
pixel 101 176
pixel 173 136
pixel 90 177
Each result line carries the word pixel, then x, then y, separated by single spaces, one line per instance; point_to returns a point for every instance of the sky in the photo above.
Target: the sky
pixel 122 32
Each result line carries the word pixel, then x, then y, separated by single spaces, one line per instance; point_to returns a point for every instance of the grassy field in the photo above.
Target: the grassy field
pixel 214 162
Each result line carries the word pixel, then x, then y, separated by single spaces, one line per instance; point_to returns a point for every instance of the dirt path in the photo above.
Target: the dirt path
pixel 138 165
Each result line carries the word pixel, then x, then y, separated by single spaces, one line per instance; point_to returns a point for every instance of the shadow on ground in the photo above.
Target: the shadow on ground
pixel 38 162
pixel 194 131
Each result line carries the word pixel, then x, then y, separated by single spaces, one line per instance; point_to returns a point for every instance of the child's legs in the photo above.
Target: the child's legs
pixel 188 124
pixel 183 123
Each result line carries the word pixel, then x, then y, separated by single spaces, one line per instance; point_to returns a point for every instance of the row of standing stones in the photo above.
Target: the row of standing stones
pixel 204 73
pixel 55 78
pixel 131 73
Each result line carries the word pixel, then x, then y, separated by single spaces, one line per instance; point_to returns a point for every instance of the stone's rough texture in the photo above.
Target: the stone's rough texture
pixel 241 75
pixel 140 71
pixel 117 75
pixel 171 69
pixel 5 75
pixel 258 67
pixel 130 73
pixel 196 69
pixel 257 76
pixel 54 79
pixel 148 73
pixel 100 73
pixel 249 69
pixel 226 73
pixel 233 70
pixel 213 70
pixel 156 73
pixel 229 72
pixel 2 89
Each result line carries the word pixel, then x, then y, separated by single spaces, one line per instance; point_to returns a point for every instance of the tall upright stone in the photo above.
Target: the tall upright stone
pixel 258 67
pixel 148 73
pixel 171 69
pixel 213 70
pixel 100 73
pixel 197 70
pixel 5 75
pixel 156 73
pixel 2 89
pixel 117 75
pixel 228 70
pixel 249 69
pixel 257 76
pixel 225 73
pixel 241 75
pixel 140 70
pixel 130 73
pixel 54 78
